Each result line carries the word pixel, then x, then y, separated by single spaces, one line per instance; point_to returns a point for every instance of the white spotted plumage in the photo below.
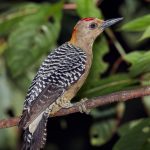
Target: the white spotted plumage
pixel 62 67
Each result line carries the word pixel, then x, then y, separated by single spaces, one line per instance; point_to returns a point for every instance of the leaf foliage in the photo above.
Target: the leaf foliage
pixel 29 31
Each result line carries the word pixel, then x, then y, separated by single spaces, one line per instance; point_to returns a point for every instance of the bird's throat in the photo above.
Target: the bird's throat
pixel 73 38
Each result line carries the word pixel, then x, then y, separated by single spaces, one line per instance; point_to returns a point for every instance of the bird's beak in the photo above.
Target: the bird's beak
pixel 110 22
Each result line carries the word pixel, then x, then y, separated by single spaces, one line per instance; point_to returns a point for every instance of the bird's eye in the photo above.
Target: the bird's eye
pixel 93 25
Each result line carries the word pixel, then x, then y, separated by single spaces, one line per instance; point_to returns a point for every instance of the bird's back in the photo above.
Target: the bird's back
pixel 61 69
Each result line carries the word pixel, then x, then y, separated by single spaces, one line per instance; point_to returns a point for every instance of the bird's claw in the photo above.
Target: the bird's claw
pixel 82 107
pixel 67 105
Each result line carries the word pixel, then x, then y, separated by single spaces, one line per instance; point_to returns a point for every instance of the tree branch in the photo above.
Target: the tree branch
pixel 70 6
pixel 73 6
pixel 91 103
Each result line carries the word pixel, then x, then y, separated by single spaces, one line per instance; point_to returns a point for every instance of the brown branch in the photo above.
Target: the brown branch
pixel 116 43
pixel 70 6
pixel 91 103
pixel 73 6
pixel 116 65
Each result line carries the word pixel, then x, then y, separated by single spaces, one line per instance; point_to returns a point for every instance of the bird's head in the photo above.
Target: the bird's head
pixel 87 29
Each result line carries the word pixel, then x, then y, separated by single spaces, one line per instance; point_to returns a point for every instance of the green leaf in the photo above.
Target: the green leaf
pixel 101 132
pixel 32 38
pixel 87 8
pixel 97 113
pixel 10 99
pixel 105 113
pixel 138 60
pixel 139 24
pixel 10 96
pixel 137 138
pixel 146 34
pixel 3 46
pixel 10 18
pixel 8 134
pixel 5 92
pixel 125 128
pixel 108 85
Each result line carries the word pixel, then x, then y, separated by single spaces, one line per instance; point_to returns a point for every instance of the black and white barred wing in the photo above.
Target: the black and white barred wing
pixel 59 71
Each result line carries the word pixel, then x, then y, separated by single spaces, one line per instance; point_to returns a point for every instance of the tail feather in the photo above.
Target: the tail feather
pixel 27 140
pixel 37 139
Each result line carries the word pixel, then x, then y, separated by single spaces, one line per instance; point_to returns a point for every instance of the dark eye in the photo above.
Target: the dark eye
pixel 93 25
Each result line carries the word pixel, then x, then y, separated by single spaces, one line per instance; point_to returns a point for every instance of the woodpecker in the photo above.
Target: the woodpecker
pixel 58 80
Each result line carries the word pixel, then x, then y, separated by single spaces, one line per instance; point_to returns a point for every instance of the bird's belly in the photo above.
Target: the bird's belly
pixel 71 92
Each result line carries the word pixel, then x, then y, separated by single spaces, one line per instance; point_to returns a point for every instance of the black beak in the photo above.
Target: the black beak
pixel 110 22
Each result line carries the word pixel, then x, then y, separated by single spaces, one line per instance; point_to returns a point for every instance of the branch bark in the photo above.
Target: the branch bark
pixel 91 103
pixel 73 6
pixel 70 6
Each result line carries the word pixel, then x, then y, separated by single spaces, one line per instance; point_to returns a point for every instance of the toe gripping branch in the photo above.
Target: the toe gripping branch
pixel 81 106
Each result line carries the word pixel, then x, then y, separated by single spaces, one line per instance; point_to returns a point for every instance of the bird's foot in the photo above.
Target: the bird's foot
pixel 82 107
pixel 67 105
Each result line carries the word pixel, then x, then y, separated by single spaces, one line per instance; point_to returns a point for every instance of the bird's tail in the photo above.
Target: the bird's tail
pixel 37 139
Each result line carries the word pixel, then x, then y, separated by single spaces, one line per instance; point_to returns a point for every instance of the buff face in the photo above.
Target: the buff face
pixel 86 30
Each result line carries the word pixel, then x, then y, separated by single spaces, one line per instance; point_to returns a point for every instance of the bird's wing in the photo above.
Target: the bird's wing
pixel 61 69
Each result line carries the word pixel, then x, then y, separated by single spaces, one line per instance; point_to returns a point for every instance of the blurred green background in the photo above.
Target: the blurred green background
pixel 30 29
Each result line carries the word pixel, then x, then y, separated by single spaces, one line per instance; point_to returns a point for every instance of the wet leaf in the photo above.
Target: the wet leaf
pixel 33 37
pixel 8 134
pixel 10 99
pixel 97 113
pixel 138 59
pixel 3 46
pixel 139 24
pixel 10 18
pixel 128 126
pixel 137 138
pixel 146 34
pixel 87 8
pixel 101 132
pixel 114 110
pixel 108 85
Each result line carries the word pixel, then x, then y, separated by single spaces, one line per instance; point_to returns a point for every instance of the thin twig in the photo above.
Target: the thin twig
pixel 73 6
pixel 116 65
pixel 116 43
pixel 70 6
pixel 91 103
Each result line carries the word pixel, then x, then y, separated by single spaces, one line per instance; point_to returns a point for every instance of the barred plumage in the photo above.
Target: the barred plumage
pixel 39 134
pixel 62 68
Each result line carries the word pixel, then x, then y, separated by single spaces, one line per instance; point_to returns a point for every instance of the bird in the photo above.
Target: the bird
pixel 58 79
